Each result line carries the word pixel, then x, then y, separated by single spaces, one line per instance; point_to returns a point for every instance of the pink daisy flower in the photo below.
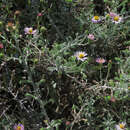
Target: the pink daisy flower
pixel 91 37
pixel 112 14
pixel 100 60
pixel 19 127
pixel 117 19
pixel 1 46
pixel 96 19
pixel 81 55
pixel 39 14
pixel 30 31
pixel 121 126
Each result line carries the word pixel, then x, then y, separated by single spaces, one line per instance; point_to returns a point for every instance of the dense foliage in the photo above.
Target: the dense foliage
pixel 64 64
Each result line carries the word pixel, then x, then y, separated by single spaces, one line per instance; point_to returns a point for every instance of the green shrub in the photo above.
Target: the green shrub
pixel 63 68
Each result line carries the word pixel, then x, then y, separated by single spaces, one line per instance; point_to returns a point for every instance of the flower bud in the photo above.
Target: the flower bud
pixel 1 23
pixel 43 29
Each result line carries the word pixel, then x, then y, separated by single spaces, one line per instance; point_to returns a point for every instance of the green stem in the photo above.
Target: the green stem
pixel 108 71
pixel 100 71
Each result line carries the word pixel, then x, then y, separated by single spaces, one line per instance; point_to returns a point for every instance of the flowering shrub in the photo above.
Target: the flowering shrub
pixel 64 65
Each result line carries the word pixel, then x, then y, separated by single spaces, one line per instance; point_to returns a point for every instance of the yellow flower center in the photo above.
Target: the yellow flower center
pixel 30 30
pixel 96 18
pixel 116 18
pixel 81 55
pixel 121 126
pixel 18 128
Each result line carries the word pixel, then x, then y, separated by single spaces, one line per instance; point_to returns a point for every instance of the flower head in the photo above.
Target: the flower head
pixel 19 127
pixel 30 31
pixel 17 12
pixel 39 14
pixel 100 60
pixel 112 14
pixel 80 55
pixel 91 37
pixel 1 46
pixel 67 123
pixel 43 29
pixel 116 19
pixel 113 99
pixel 10 24
pixel 121 126
pixel 96 19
